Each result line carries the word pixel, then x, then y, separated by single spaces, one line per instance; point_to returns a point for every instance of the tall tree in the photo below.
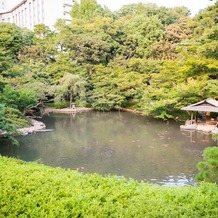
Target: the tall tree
pixel 87 9
pixel 71 87
pixel 13 38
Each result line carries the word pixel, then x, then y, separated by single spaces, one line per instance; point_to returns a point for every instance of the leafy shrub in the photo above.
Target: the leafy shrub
pixel 61 104
pixel 208 170
pixel 58 104
pixel 34 190
pixel 19 99
pixel 11 118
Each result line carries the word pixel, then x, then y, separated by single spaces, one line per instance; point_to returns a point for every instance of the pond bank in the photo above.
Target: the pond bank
pixel 66 110
pixel 203 127
pixel 101 142
pixel 132 111
pixel 38 126
pixel 83 109
pixel 35 126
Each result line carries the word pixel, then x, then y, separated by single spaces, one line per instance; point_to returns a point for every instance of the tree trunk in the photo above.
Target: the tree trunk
pixel 71 96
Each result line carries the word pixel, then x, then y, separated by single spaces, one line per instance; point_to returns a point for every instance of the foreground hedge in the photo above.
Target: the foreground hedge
pixel 34 190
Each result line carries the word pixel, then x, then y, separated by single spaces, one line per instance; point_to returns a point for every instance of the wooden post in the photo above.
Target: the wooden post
pixel 191 117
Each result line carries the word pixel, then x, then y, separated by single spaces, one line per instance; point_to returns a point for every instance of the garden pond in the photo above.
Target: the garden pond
pixel 115 143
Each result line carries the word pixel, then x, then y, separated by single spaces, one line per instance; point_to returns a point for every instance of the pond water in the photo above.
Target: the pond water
pixel 115 143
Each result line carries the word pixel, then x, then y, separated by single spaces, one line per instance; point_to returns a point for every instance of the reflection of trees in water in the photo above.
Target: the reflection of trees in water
pixel 196 141
pixel 117 143
pixel 18 151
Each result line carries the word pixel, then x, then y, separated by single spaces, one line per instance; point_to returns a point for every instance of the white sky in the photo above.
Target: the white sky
pixel 193 5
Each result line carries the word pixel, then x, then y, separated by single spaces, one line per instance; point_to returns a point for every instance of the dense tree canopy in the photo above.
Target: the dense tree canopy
pixel 153 59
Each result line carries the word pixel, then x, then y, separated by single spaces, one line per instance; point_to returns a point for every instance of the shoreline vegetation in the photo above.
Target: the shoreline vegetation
pixel 66 110
pixel 35 126
pixel 38 126
pixel 152 58
pixel 36 190
pixel 99 61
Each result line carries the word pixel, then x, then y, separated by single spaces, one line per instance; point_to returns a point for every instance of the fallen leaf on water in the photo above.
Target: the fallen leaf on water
pixel 165 145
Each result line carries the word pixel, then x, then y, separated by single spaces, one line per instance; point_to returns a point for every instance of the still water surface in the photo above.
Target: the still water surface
pixel 116 143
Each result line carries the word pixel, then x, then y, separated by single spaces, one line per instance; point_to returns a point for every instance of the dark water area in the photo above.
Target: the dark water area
pixel 115 143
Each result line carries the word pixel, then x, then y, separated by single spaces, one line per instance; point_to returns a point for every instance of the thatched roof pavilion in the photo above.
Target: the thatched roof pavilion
pixel 207 105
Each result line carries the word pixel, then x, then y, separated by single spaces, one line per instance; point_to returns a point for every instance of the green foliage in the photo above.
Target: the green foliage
pixel 215 137
pixel 60 104
pixel 20 99
pixel 71 87
pixel 141 32
pixel 86 10
pixel 208 170
pixel 113 86
pixel 6 61
pixel 13 118
pixel 12 102
pixel 33 190
pixel 166 15
pixel 13 38
pixel 10 120
pixel 2 83
pixel 155 59
pixel 41 31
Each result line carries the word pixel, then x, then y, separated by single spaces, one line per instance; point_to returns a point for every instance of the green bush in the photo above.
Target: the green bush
pixel 19 99
pixel 34 190
pixel 59 104
pixel 208 170
pixel 62 104
pixel 10 120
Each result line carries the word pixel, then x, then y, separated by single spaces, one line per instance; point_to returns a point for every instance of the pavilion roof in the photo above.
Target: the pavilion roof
pixel 207 105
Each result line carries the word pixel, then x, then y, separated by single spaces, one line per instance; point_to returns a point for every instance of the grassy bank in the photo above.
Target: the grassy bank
pixel 34 190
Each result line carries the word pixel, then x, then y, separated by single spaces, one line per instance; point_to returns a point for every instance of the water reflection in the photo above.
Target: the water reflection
pixel 122 144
